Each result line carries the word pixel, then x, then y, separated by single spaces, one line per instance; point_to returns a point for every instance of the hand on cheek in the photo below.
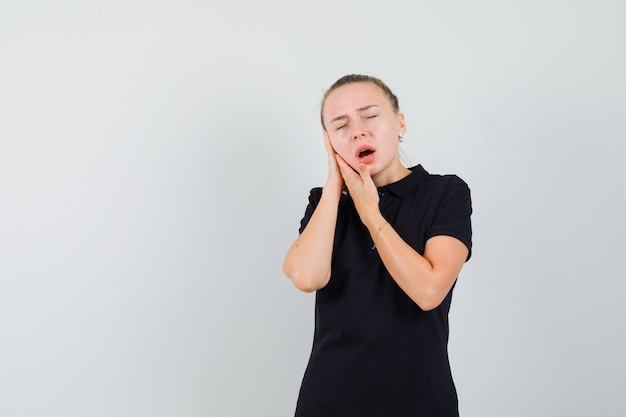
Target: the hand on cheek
pixel 334 174
pixel 361 187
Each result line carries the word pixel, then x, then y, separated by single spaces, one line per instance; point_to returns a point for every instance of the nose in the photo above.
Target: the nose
pixel 358 131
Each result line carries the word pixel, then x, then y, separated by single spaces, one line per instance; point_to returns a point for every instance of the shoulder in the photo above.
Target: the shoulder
pixel 315 195
pixel 438 183
pixel 449 189
pixel 451 185
pixel 449 208
pixel 445 180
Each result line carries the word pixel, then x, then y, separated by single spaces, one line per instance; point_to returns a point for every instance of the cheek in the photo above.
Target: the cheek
pixel 339 145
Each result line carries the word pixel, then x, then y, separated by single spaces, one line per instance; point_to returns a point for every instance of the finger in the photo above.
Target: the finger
pixel 366 176
pixel 327 145
pixel 364 172
pixel 346 165
pixel 341 163
pixel 346 169
pixel 346 172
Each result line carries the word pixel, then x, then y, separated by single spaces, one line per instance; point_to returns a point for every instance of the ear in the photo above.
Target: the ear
pixel 401 125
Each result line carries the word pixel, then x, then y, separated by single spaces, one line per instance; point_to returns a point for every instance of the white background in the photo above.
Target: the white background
pixel 156 158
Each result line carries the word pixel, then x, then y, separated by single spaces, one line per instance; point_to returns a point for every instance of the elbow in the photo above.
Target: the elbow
pixel 431 293
pixel 428 304
pixel 430 298
pixel 304 285
pixel 303 280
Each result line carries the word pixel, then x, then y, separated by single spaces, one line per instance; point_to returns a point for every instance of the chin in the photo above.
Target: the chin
pixel 372 169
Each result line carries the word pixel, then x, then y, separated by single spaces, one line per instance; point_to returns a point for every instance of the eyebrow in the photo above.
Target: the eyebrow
pixel 360 109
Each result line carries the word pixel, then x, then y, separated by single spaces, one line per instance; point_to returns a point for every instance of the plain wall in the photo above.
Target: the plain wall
pixel 156 159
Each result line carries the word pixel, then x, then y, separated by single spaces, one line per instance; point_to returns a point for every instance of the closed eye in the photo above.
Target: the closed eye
pixel 340 127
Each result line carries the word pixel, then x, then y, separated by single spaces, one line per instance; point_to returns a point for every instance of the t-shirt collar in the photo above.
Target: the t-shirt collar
pixel 408 184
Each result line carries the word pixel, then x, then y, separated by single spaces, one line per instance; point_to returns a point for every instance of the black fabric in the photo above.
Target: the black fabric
pixel 375 352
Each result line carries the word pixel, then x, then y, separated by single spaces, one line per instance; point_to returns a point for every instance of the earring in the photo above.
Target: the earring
pixel 401 138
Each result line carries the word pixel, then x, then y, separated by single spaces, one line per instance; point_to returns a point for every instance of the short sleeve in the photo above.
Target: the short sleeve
pixel 452 216
pixel 314 199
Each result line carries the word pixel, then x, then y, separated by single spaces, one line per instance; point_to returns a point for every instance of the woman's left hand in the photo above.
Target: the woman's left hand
pixel 362 190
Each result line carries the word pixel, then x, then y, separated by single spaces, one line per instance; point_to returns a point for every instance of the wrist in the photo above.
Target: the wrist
pixel 374 223
pixel 331 190
pixel 375 236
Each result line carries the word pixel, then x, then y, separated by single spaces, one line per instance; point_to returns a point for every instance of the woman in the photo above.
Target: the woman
pixel 382 246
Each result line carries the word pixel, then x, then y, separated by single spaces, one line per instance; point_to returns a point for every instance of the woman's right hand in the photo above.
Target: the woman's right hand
pixel 335 179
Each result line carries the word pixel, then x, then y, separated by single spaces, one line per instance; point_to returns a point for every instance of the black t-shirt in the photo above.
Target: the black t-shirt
pixel 375 352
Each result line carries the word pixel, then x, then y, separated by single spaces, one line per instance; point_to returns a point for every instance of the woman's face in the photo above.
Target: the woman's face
pixel 363 127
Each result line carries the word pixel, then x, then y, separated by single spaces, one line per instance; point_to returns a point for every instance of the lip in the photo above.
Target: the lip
pixel 368 158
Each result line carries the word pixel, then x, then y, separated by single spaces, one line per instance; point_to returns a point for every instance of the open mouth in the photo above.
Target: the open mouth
pixel 365 152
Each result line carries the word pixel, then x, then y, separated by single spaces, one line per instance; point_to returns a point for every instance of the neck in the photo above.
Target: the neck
pixel 391 175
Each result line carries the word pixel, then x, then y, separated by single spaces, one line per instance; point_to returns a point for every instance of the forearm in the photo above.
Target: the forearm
pixel 425 279
pixel 308 260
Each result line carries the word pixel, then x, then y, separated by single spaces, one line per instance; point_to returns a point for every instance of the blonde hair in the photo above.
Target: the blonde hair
pixel 360 78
